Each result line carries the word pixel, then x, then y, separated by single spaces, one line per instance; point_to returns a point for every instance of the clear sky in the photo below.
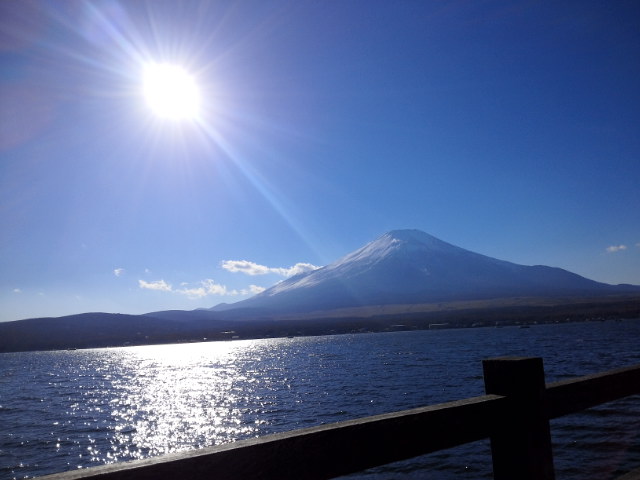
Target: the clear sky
pixel 508 128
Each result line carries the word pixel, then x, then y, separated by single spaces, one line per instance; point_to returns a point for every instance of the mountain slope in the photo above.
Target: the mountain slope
pixel 410 266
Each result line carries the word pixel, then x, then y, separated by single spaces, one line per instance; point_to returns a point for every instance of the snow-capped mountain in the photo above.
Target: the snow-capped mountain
pixel 410 266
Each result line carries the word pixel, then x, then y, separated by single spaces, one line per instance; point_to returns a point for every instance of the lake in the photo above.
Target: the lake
pixel 64 410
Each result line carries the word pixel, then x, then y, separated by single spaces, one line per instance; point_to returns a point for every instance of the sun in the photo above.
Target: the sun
pixel 171 92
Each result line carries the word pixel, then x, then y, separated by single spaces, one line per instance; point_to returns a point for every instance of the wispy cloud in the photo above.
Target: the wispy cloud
pixel 17 290
pixel 253 289
pixel 295 270
pixel 616 248
pixel 118 271
pixel 157 285
pixel 207 287
pixel 244 266
pixel 251 268
pixel 204 288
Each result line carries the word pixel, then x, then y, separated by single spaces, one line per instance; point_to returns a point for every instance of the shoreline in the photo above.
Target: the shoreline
pixel 81 333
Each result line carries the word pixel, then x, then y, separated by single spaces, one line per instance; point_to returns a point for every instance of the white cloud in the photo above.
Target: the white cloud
pixel 17 290
pixel 253 289
pixel 207 287
pixel 244 266
pixel 157 285
pixel 118 271
pixel 251 268
pixel 204 288
pixel 616 248
pixel 295 270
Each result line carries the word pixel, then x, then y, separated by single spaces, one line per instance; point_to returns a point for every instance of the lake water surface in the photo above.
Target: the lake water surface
pixel 65 410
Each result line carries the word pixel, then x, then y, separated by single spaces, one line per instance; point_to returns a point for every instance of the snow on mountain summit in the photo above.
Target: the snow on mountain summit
pixel 389 247
pixel 407 243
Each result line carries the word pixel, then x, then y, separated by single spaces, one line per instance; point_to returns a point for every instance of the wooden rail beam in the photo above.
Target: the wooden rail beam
pixel 577 394
pixel 321 452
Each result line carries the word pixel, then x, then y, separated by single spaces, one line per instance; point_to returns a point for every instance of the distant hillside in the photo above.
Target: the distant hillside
pixel 92 330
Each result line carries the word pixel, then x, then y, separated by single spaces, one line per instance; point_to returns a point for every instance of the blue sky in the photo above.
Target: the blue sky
pixel 507 128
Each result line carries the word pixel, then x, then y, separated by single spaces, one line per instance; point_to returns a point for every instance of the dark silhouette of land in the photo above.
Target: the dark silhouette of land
pixel 94 330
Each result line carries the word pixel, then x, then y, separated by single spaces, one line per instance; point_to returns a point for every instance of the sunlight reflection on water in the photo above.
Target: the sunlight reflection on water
pixel 169 398
pixel 63 410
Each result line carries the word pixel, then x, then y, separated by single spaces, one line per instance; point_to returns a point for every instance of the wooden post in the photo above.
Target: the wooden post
pixel 521 443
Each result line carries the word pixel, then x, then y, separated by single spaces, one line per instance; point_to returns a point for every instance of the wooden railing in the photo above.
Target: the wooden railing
pixel 514 414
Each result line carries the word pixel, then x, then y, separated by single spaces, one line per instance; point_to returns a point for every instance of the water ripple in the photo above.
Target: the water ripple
pixel 75 409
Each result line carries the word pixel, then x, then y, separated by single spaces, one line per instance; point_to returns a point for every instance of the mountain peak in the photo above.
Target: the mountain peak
pixel 403 242
pixel 410 235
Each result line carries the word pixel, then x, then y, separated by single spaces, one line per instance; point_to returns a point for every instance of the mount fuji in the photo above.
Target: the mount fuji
pixel 404 275
pixel 411 266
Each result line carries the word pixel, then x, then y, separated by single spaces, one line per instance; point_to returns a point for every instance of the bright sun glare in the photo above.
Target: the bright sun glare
pixel 171 92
